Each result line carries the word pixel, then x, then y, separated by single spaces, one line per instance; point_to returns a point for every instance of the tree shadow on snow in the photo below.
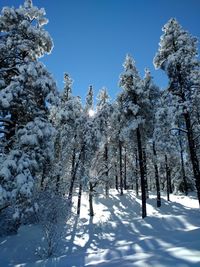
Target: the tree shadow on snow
pixel 126 235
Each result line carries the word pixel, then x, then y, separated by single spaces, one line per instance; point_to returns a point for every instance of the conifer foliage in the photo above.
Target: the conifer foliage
pixel 26 87
pixel 177 56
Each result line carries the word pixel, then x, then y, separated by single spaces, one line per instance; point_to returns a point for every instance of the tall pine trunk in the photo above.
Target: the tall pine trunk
pixel 125 162
pixel 120 168
pixel 91 199
pixel 145 172
pixel 116 178
pixel 136 173
pixel 79 198
pixel 190 136
pixel 142 172
pixel 80 183
pixel 156 176
pixel 185 186
pixel 73 175
pixel 106 173
pixel 193 154
pixel 167 177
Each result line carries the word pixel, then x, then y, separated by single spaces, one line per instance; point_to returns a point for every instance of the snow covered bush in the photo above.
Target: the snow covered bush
pixel 52 212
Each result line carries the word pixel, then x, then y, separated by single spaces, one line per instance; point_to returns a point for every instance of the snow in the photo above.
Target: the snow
pixel 117 236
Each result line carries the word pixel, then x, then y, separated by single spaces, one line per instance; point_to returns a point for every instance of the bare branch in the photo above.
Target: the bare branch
pixel 178 129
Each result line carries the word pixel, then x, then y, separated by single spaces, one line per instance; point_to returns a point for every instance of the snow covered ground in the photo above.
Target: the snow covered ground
pixel 117 236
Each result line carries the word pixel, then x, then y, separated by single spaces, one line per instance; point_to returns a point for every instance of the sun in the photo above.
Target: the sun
pixel 91 113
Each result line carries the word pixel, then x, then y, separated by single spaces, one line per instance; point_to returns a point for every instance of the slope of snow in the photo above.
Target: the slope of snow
pixel 117 236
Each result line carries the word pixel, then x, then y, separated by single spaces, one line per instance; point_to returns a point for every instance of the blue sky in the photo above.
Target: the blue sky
pixel 92 37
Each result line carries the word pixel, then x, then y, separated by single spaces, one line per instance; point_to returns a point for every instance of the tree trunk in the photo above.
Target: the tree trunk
pixel 79 198
pixel 183 174
pixel 167 177
pixel 190 137
pixel 106 173
pixel 57 182
pixel 182 164
pixel 170 181
pixel 116 178
pixel 120 168
pixel 156 176
pixel 45 174
pixel 136 174
pixel 73 176
pixel 193 155
pixel 91 200
pixel 10 128
pixel 145 172
pixel 58 157
pixel 142 173
pixel 73 161
pixel 125 162
pixel 80 182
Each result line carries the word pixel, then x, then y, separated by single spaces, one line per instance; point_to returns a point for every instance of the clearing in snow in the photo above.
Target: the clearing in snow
pixel 117 236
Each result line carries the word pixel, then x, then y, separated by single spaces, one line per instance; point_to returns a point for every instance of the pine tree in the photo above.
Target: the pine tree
pixel 135 101
pixel 154 98
pixel 104 110
pixel 26 88
pixel 67 119
pixel 177 56
pixel 116 140
pixel 89 105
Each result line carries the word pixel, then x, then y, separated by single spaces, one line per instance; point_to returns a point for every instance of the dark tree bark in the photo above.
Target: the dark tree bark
pixel 167 177
pixel 73 161
pixel 73 176
pixel 106 173
pixel 91 199
pixel 193 154
pixel 125 162
pixel 57 183
pixel 142 172
pixel 145 172
pixel 80 182
pixel 156 176
pixel 116 178
pixel 8 128
pixel 136 174
pixel 170 181
pixel 185 186
pixel 120 168
pixel 190 134
pixel 45 173
pixel 79 198
pixel 57 159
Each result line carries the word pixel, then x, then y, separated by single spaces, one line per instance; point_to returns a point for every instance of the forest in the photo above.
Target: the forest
pixel 58 151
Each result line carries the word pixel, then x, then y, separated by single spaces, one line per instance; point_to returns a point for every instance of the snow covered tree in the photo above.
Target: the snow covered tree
pixel 89 105
pixel 25 89
pixel 135 101
pixel 104 110
pixel 116 141
pixel 154 99
pixel 66 117
pixel 67 88
pixel 177 56
pixel 92 140
pixel 163 142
